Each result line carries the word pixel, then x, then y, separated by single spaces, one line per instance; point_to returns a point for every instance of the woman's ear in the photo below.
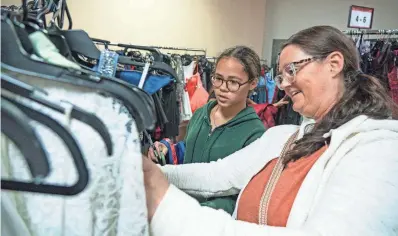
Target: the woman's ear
pixel 336 63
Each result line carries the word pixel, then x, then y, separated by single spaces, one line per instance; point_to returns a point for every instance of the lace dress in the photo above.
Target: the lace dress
pixel 113 203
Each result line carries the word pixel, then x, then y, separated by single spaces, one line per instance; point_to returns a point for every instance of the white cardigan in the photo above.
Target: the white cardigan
pixel 352 189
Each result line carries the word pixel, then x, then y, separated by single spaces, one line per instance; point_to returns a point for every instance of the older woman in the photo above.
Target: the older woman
pixel 337 174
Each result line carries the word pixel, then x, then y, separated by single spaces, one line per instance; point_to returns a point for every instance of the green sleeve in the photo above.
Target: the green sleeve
pixel 224 203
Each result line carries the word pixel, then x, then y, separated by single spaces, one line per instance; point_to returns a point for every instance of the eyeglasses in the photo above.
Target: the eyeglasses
pixel 232 85
pixel 290 71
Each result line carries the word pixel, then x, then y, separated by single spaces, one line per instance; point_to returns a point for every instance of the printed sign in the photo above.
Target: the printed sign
pixel 360 17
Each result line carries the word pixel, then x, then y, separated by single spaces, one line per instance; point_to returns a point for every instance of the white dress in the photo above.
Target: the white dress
pixel 113 203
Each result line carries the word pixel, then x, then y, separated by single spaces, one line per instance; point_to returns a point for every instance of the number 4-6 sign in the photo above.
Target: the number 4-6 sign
pixel 360 17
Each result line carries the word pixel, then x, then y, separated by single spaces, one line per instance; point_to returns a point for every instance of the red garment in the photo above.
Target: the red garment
pixel 198 95
pixel 192 83
pixel 276 90
pixel 262 71
pixel 267 113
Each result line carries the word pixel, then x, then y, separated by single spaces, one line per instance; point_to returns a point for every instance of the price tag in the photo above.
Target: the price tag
pixel 360 17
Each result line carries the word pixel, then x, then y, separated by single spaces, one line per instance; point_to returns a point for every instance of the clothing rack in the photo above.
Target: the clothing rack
pixel 108 43
pixel 372 32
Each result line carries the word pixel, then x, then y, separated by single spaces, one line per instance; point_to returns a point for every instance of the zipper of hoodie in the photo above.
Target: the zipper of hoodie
pixel 211 132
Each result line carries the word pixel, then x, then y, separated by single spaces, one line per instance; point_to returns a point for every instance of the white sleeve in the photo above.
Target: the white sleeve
pixel 361 195
pixel 360 198
pixel 227 176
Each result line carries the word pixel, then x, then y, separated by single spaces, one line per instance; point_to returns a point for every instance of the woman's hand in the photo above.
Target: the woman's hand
pixel 281 102
pixel 160 147
pixel 156 185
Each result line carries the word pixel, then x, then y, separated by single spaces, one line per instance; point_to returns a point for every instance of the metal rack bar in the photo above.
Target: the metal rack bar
pixel 372 32
pixel 181 49
pixel 108 43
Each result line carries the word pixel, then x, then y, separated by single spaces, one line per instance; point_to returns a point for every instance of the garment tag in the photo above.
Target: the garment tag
pixel 143 76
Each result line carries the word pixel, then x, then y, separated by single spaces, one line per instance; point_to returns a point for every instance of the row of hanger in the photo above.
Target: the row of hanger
pixel 18 56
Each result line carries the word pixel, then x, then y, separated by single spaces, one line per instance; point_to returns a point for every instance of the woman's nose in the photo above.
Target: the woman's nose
pixel 223 86
pixel 285 83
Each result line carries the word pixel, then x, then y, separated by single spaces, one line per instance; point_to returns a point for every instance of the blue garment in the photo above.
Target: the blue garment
pixel 169 155
pixel 270 83
pixel 262 94
pixel 180 151
pixel 259 94
pixel 153 83
pixel 254 96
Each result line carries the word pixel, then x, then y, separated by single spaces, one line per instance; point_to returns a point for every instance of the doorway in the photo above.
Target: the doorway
pixel 276 48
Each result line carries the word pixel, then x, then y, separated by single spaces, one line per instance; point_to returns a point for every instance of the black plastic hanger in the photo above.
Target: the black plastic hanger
pixel 54 34
pixel 45 68
pixel 15 125
pixel 77 113
pixel 158 56
pixel 146 100
pixel 22 33
pixel 74 149
pixel 79 42
pixel 14 56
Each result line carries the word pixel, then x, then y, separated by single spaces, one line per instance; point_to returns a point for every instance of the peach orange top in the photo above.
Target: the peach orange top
pixel 284 193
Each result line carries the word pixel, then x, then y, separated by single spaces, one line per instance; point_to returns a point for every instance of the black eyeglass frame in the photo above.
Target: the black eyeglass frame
pixel 228 83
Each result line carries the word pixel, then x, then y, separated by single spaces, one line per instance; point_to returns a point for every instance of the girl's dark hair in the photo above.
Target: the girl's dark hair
pixel 363 94
pixel 247 57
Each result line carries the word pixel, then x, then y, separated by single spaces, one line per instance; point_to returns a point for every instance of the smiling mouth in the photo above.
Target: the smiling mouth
pixel 295 93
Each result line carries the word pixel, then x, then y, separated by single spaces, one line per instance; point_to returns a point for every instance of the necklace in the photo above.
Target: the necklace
pixel 213 119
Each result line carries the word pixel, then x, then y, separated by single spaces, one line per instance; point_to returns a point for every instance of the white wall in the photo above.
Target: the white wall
pixel 286 17
pixel 211 24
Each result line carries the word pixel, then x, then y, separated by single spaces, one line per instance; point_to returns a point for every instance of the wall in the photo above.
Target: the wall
pixel 211 24
pixel 286 17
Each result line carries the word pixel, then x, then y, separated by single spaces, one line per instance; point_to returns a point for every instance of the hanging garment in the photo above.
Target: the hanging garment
pixel 170 105
pixel 161 117
pixel 267 113
pixel 198 95
pixel 188 73
pixel 11 221
pixel 48 52
pixel 286 115
pixel 107 63
pixel 113 203
pixel 262 90
pixel 270 83
pixel 393 78
pixel 380 56
pixel 189 69
pixel 152 84
pixel 182 96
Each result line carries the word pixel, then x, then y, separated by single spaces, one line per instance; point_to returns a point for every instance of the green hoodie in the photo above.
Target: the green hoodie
pixel 203 145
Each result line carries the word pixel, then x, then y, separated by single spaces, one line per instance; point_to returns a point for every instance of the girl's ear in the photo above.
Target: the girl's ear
pixel 253 84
